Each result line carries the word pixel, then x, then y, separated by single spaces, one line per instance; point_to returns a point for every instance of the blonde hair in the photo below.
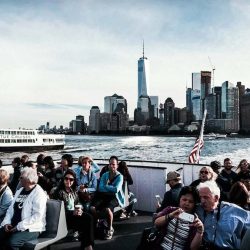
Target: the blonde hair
pixel 210 170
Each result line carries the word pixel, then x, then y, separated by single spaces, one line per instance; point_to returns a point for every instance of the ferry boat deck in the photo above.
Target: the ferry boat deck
pixel 127 235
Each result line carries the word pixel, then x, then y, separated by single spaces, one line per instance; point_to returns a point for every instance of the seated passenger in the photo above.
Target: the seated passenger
pixel 180 233
pixel 29 164
pixel 40 163
pixel 16 164
pixel 171 197
pixel 123 169
pixel 26 217
pixel 47 180
pixel 226 179
pixel 86 182
pixel 239 195
pixel 224 223
pixel 110 195
pixel 76 218
pixel 5 193
pixel 66 163
pixel 244 172
pixel 205 174
pixel 24 159
pixel 216 166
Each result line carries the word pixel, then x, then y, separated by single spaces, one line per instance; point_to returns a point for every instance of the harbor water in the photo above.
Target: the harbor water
pixel 146 148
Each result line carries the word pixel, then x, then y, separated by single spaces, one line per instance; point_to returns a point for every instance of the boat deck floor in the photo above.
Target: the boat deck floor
pixel 127 235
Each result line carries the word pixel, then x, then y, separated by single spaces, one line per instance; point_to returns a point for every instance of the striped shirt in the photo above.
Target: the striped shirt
pixel 177 235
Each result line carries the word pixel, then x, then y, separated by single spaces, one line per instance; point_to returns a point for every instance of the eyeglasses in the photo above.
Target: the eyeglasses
pixel 204 172
pixel 69 179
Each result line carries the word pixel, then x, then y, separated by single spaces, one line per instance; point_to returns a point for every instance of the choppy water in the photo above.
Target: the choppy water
pixel 156 148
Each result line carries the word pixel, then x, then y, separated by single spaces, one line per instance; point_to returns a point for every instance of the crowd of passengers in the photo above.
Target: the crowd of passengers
pixel 218 199
pixel 87 199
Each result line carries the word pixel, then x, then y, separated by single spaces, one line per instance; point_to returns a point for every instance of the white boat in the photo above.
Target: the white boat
pixel 31 140
pixel 212 136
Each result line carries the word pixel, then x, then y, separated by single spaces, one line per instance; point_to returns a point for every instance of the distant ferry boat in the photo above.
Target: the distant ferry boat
pixel 214 136
pixel 31 140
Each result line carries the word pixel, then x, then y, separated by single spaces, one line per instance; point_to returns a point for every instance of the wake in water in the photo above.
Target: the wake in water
pixel 146 148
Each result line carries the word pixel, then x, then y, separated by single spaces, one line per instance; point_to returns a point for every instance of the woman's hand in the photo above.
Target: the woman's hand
pixel 77 212
pixel 8 228
pixel 176 213
pixel 199 225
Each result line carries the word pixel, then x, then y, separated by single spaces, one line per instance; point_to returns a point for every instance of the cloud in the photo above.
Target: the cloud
pixel 57 106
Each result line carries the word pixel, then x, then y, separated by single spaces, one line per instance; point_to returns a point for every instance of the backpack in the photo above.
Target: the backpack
pixel 101 228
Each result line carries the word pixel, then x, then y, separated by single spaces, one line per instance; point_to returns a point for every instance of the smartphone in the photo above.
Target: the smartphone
pixel 158 198
pixel 187 217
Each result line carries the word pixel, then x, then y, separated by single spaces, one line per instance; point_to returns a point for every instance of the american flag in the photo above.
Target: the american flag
pixel 194 156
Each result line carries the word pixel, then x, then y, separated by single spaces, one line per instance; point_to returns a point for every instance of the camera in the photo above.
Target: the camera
pixel 186 217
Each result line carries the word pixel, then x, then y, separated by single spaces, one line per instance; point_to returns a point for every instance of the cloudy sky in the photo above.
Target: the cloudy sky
pixel 59 58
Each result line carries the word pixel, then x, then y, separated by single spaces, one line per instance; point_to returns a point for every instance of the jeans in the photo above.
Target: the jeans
pixel 16 240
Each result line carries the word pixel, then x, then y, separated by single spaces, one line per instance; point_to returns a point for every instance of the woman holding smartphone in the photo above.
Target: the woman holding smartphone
pixel 75 217
pixel 180 227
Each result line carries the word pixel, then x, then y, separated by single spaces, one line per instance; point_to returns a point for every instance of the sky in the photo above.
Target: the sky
pixel 59 58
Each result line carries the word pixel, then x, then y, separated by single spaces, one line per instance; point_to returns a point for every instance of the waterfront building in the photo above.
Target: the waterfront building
pixel 47 126
pixel 144 112
pixel 196 81
pixel 169 106
pixel 143 75
pixel 105 119
pixel 242 90
pixel 114 103
pixel 77 126
pixel 210 105
pixel 94 120
pixel 119 122
pixel 217 92
pixel 180 116
pixel 245 112
pixel 161 114
pixel 205 88
pixel 229 121
pixel 196 105
pixel 189 105
pixel 155 103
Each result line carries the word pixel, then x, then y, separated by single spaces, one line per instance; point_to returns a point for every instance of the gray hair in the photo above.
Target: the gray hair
pixel 211 185
pixel 30 174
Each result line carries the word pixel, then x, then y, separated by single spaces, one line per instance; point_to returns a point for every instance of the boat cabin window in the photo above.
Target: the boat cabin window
pixel 13 141
pixel 2 132
pixel 7 140
pixel 1 140
pixel 7 132
pixel 13 132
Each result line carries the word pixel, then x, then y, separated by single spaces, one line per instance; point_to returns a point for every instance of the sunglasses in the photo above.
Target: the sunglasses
pixel 204 172
pixel 68 179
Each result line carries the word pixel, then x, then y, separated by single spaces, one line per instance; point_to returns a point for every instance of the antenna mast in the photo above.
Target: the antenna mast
pixel 213 69
pixel 143 48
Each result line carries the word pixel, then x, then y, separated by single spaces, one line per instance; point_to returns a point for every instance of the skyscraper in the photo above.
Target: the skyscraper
pixel 114 103
pixel 143 75
pixel 94 119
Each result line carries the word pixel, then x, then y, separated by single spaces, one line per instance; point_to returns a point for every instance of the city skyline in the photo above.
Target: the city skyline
pixel 60 58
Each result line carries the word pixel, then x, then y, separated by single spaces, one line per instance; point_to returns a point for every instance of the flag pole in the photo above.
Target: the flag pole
pixel 201 135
